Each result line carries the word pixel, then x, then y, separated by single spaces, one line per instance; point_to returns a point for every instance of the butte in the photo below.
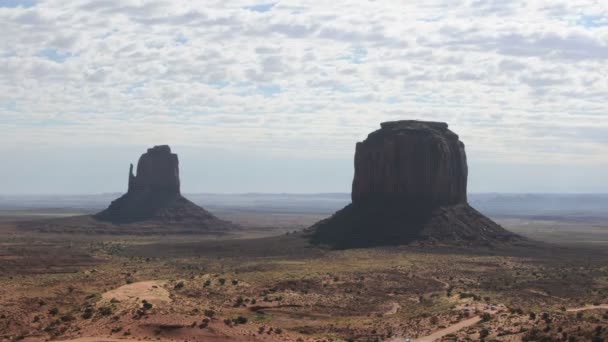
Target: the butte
pixel 410 185
pixel 154 196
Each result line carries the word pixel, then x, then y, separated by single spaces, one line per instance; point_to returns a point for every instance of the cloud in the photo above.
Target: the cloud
pixel 309 78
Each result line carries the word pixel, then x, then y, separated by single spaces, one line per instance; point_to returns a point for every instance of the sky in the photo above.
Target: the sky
pixel 272 96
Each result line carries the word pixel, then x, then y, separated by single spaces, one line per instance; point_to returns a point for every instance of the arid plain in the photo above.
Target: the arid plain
pixel 266 283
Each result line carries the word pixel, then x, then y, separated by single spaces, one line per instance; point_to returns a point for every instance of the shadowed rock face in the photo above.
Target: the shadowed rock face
pixel 157 171
pixel 410 184
pixel 411 161
pixel 154 196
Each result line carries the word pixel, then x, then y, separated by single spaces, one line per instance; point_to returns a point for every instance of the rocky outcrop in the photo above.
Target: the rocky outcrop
pixel 154 196
pixel 157 171
pixel 410 184
pixel 415 161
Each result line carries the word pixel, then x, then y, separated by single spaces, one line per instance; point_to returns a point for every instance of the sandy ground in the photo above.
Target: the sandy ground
pixel 151 291
pixel 588 307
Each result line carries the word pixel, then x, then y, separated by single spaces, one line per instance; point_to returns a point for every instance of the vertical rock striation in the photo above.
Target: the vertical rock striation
pixel 410 184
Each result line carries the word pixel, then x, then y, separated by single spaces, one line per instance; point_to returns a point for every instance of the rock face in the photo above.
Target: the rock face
pixel 412 161
pixel 410 184
pixel 154 196
pixel 157 171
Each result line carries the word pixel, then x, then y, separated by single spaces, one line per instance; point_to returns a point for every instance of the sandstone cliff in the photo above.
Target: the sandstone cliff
pixel 410 184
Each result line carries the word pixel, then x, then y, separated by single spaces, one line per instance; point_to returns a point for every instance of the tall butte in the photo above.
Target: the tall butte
pixel 410 184
pixel 154 195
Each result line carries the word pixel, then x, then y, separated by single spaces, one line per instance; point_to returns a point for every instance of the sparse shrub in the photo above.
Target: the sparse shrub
pixel 240 320
pixel 235 282
pixel 532 316
pixel 146 305
pixel 222 281
pixel 179 285
pixel 278 331
pixel 105 310
pixel 207 283
pixel 464 295
pixel 239 302
pixel 579 315
pixel 67 318
pixel 53 311
pixel 209 313
pixel 434 320
pixel 486 317
pixel 228 321
pixel 88 313
pixel 483 333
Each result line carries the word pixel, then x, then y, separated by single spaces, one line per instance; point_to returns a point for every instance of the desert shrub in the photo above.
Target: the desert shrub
pixel 434 320
pixel 240 320
pixel 516 311
pixel 209 313
pixel 105 310
pixel 146 305
pixel 483 333
pixel 278 331
pixel 235 282
pixel 464 295
pixel 239 301
pixel 179 285
pixel 87 313
pixel 486 317
pixel 53 311
pixel 67 318
pixel 207 283
pixel 222 281
pixel 532 316
pixel 579 314
pixel 228 321
pixel 598 330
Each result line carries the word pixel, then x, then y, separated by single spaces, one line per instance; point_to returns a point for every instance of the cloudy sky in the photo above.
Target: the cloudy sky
pixel 272 96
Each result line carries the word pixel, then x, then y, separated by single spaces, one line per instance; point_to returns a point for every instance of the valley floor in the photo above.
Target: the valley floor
pixel 252 287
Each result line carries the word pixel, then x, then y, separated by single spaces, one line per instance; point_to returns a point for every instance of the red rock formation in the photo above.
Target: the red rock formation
pixel 410 184
pixel 413 161
pixel 154 195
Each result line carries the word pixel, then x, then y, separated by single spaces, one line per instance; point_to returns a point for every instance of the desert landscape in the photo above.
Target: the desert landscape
pixel 303 171
pixel 261 269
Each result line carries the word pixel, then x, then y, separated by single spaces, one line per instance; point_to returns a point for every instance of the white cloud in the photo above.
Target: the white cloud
pixel 524 81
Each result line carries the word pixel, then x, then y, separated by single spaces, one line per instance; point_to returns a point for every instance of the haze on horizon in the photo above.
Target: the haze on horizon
pixel 272 96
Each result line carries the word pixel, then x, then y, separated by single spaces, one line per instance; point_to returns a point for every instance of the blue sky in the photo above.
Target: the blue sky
pixel 272 96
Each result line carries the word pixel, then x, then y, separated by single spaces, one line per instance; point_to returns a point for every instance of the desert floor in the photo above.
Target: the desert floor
pixel 267 283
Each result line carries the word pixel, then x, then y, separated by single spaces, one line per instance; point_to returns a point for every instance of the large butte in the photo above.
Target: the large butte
pixel 410 184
